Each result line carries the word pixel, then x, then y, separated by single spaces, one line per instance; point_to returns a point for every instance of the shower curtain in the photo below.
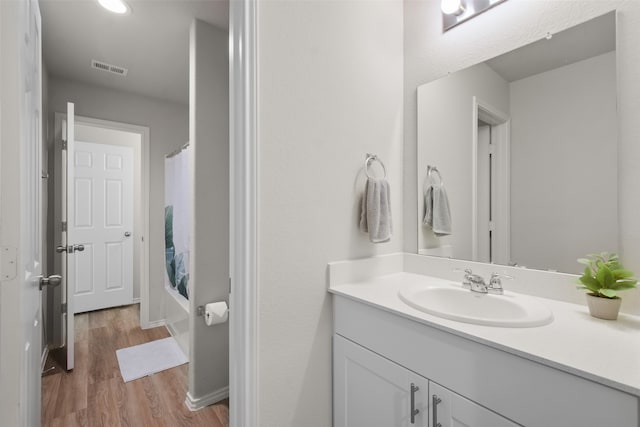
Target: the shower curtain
pixel 178 191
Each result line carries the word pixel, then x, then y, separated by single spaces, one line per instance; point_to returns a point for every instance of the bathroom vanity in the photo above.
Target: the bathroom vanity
pixel 395 365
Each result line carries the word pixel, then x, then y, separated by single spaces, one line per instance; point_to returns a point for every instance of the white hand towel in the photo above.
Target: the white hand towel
pixel 437 213
pixel 375 216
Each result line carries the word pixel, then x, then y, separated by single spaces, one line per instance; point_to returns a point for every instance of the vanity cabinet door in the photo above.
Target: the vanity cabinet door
pixel 371 391
pixel 449 409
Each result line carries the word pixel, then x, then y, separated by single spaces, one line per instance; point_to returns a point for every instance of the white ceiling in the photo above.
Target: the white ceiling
pixel 152 42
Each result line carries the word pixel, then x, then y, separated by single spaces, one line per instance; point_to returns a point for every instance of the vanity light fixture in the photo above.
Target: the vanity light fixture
pixel 116 6
pixel 455 12
pixel 452 7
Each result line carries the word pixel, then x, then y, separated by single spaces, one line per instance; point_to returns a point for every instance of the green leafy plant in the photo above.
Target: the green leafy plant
pixel 604 276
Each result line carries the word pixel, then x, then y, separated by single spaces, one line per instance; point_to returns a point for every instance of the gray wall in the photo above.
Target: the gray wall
pixel 445 129
pixel 209 134
pixel 564 164
pixel 563 152
pixel 429 55
pixel 329 91
pixel 168 123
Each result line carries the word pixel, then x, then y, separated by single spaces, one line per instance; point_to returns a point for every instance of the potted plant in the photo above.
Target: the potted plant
pixel 603 277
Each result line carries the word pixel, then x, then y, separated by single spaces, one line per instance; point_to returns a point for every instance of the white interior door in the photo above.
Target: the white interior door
pixel 31 217
pixel 102 190
pixel 20 213
pixel 31 213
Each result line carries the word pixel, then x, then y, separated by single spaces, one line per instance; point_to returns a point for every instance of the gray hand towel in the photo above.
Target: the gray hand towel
pixel 437 214
pixel 375 215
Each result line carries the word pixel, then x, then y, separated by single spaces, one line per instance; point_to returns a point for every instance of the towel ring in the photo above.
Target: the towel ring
pixel 434 170
pixel 370 158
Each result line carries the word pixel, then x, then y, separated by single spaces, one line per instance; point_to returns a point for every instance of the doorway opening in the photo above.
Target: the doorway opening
pixel 490 217
pixel 113 265
pixel 158 97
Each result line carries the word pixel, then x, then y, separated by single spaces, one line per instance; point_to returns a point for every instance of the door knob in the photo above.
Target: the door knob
pixel 127 233
pixel 70 249
pixel 53 281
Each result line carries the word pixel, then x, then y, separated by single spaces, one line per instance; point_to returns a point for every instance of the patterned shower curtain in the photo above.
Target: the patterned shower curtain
pixel 178 190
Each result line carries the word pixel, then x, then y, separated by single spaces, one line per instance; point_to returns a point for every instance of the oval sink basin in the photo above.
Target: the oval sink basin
pixel 457 303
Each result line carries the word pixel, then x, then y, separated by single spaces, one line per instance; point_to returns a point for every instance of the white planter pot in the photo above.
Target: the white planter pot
pixel 604 308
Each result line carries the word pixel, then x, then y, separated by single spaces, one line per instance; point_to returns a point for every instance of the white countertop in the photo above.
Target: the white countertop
pixel 604 351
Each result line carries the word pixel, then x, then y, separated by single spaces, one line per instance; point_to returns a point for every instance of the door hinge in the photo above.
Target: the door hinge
pixel 491 226
pixel 8 263
pixel 64 225
pixel 63 308
pixel 64 145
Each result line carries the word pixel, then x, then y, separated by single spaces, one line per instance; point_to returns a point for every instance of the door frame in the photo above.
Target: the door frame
pixel 243 236
pixel 500 123
pixel 143 215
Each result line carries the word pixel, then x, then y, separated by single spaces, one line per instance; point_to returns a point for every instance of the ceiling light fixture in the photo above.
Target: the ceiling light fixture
pixel 455 12
pixel 115 6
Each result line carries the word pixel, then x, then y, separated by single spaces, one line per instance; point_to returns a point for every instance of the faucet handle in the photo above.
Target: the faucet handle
pixel 498 276
pixel 495 284
pixel 466 283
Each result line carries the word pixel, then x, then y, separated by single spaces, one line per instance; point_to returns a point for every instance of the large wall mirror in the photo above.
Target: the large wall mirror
pixel 525 148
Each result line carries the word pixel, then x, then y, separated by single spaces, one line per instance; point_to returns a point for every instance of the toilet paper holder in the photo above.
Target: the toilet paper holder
pixel 214 313
pixel 200 310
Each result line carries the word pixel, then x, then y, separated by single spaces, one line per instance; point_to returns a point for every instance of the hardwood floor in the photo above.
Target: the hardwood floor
pixel 93 394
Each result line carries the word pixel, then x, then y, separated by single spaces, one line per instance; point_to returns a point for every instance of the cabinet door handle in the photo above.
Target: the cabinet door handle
pixel 434 410
pixel 414 411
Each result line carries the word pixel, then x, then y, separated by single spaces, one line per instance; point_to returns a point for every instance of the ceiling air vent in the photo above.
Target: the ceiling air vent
pixel 110 68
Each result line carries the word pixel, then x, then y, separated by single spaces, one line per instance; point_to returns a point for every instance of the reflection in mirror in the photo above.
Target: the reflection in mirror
pixel 526 144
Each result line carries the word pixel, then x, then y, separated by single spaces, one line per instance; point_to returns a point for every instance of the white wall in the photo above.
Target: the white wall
pixel 429 55
pixel 209 134
pixel 564 162
pixel 445 132
pixel 168 123
pixel 329 91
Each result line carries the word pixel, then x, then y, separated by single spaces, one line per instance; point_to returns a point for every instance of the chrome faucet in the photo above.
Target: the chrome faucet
pixel 476 283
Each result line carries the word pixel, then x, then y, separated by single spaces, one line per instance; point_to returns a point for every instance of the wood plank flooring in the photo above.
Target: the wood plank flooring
pixel 93 394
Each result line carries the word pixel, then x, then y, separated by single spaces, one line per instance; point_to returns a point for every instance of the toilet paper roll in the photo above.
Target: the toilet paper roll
pixel 216 312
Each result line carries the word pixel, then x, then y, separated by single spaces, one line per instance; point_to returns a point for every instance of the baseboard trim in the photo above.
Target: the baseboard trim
pixel 154 324
pixel 172 331
pixel 206 400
